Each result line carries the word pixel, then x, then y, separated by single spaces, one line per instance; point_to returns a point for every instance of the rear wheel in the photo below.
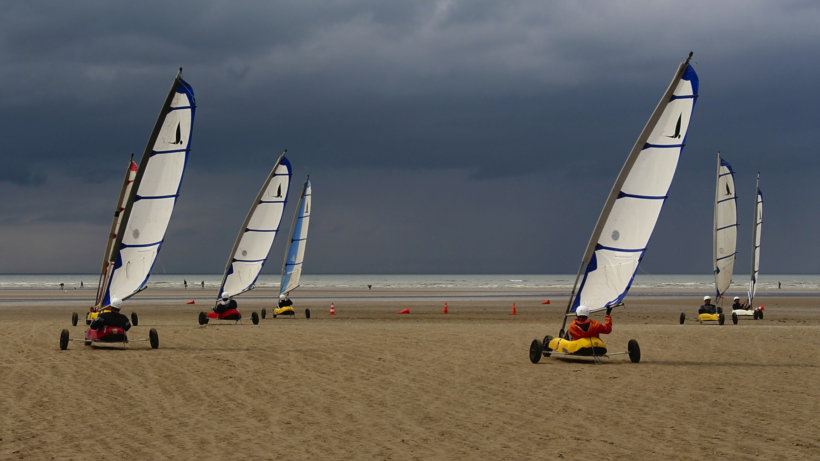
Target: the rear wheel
pixel 546 345
pixel 307 313
pixel 634 351
pixel 153 338
pixel 264 313
pixel 721 319
pixel 74 318
pixel 203 318
pixel 134 319
pixel 255 318
pixel 64 339
pixel 535 351
pixel 682 317
pixel 760 315
pixel 734 318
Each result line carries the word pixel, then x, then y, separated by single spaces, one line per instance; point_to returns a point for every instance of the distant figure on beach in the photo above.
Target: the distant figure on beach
pixel 707 307
pixel 185 282
pixel 284 300
pixel 737 305
pixel 112 318
pixel 778 285
pixel 203 284
pixel 225 304
pixel 81 283
pixel 369 287
pixel 585 327
pixel 62 286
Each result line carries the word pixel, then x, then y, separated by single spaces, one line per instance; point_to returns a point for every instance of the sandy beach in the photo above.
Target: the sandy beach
pixel 368 383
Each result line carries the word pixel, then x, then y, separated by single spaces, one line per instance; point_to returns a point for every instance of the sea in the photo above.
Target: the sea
pixel 644 284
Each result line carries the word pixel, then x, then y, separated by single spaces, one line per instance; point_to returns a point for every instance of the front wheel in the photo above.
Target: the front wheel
pixel 203 318
pixel 134 319
pixel 734 318
pixel 682 317
pixel 535 351
pixel 74 318
pixel 760 315
pixel 634 351
pixel 307 313
pixel 64 339
pixel 721 319
pixel 255 318
pixel 264 313
pixel 154 338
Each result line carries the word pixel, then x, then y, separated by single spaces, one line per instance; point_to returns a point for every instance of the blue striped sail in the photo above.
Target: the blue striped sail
pixel 258 231
pixel 725 228
pixel 292 267
pixel 620 237
pixel 153 195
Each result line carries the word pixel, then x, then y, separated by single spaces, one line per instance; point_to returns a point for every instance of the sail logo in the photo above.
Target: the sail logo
pixel 676 135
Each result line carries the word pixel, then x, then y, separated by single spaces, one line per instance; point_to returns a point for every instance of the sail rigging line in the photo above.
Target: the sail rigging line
pixel 589 261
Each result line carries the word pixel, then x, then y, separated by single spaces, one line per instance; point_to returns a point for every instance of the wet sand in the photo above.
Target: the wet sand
pixel 369 383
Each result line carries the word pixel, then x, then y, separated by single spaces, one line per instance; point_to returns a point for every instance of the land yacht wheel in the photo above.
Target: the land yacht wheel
pixel 546 345
pixel 134 319
pixel 264 313
pixel 760 315
pixel 535 351
pixel 682 317
pixel 64 339
pixel 721 319
pixel 203 318
pixel 74 318
pixel 255 318
pixel 307 313
pixel 154 338
pixel 634 351
pixel 734 318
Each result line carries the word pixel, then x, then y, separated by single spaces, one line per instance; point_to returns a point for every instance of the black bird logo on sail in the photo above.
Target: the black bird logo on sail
pixel 279 191
pixel 179 134
pixel 677 128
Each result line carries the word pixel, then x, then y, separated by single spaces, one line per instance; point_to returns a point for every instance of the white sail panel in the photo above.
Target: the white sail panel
pixel 292 270
pixel 626 223
pixel 758 227
pixel 258 232
pixel 725 228
pixel 153 194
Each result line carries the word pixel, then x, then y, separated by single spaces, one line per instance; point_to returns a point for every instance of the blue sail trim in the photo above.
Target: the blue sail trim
pixel 689 96
pixel 623 250
pixel 727 199
pixel 661 146
pixel 163 152
pixel 171 109
pixel 727 256
pixel 155 197
pixel 247 261
pixel 726 227
pixel 642 197
pixel 141 245
pixel 692 77
pixel 262 230
pixel 272 201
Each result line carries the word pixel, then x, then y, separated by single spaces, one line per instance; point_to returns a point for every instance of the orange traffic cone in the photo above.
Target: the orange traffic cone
pixel 514 312
pixel 191 302
pixel 332 309
pixel 445 307
pixel 546 302
pixel 405 311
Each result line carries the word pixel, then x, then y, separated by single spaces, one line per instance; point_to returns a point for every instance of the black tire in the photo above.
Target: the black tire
pixel 255 318
pixel 264 313
pixel 682 317
pixel 719 310
pixel 535 351
pixel 203 318
pixel 64 339
pixel 87 342
pixel 634 351
pixel 760 315
pixel 74 319
pixel 546 345
pixel 274 315
pixel 734 318
pixel 721 319
pixel 307 313
pixel 134 319
pixel 153 338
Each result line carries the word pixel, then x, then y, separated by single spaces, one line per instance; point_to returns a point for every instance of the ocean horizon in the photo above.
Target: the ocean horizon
pixel 774 284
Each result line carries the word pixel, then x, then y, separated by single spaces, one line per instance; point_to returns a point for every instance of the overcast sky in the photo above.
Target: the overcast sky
pixel 440 136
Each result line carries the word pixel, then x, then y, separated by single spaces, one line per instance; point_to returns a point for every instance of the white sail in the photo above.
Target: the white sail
pixel 725 229
pixel 153 195
pixel 758 226
pixel 261 225
pixel 292 268
pixel 628 218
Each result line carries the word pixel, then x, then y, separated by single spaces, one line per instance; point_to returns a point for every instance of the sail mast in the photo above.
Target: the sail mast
pixel 615 192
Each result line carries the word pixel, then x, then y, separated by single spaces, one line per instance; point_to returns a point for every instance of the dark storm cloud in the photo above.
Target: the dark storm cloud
pixel 440 136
